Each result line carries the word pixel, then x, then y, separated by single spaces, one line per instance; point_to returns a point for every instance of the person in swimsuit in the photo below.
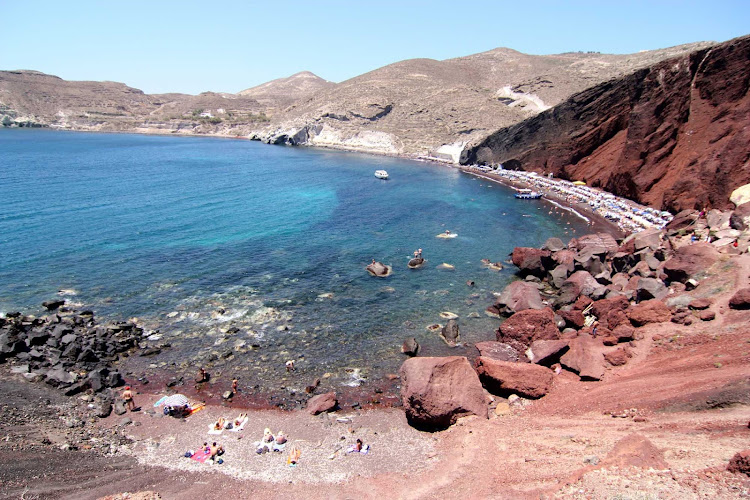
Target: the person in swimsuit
pixel 127 396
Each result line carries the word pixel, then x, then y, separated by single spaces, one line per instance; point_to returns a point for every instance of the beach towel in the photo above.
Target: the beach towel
pixel 213 431
pixel 238 428
pixel 195 409
pixel 160 401
pixel 201 456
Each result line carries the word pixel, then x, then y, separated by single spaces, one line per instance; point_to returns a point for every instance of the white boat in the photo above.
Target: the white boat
pixel 381 174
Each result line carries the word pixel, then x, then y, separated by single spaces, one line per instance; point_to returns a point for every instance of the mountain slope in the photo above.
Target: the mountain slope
pixel 280 93
pixel 673 135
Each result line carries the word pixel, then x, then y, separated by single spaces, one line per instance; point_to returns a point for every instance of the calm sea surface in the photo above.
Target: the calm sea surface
pixel 243 255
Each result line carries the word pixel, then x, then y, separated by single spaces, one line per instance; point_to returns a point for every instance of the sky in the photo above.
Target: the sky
pixel 227 46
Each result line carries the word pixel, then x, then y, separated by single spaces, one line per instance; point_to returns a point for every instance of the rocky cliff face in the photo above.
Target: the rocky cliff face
pixel 673 135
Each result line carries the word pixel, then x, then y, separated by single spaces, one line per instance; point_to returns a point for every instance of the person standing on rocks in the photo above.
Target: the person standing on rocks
pixel 127 396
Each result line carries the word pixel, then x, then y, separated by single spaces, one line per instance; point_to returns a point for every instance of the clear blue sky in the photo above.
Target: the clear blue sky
pixel 194 46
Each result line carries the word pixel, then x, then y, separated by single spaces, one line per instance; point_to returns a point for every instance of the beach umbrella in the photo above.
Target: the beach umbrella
pixel 176 400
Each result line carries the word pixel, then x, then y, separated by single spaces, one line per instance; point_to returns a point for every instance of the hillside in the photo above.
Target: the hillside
pixel 416 106
pixel 282 92
pixel 673 135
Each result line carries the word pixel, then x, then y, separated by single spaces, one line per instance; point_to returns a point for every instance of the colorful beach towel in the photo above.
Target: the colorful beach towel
pixel 201 456
pixel 160 401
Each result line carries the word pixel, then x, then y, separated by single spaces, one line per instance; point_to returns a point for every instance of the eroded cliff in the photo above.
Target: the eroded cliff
pixel 674 135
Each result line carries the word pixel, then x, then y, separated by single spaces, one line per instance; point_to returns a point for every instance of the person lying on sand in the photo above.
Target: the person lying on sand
pixel 358 447
pixel 240 418
pixel 219 425
pixel 294 455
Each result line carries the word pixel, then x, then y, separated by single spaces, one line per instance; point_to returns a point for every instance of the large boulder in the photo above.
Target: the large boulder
pixel 322 403
pixel 450 333
pixel 553 245
pixel 504 378
pixel 585 358
pixel 740 218
pixel 689 260
pixel 531 261
pixel 526 326
pixel 741 299
pixel 518 296
pixel 435 392
pixel 603 241
pixel 378 269
pixel 650 288
pixel 410 347
pixel 546 352
pixel 579 283
pixel 649 311
pixel 499 351
pixel 650 239
pixel 741 195
pixel 602 308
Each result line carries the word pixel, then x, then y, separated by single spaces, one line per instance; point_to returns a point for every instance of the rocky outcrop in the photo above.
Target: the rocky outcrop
pixel 529 325
pixel 504 378
pixel 671 136
pixel 518 296
pixel 690 260
pixel 585 357
pixel 741 299
pixel 499 351
pixel 740 463
pixel 437 391
pixel 67 349
pixel 322 403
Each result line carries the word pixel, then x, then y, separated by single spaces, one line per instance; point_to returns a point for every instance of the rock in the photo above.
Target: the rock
pixel 450 333
pixel 502 409
pixel 700 304
pixel 37 338
pixel 573 318
pixel 526 326
pixel 497 350
pixel 649 311
pixel 410 347
pixel 741 299
pixel 618 357
pixel 531 261
pixel 435 392
pixel 650 288
pixel 546 352
pixel 615 318
pixel 519 296
pixel 604 242
pixel 741 195
pixel 103 408
pixel 623 332
pixel 227 395
pixel 52 305
pixel 585 358
pixel 558 275
pixel 504 377
pixel 740 462
pixel 59 377
pixel 635 450
pixel 119 407
pixel 553 245
pixel 322 403
pixel 650 238
pixel 591 460
pixel 579 283
pixel 740 218
pixel 415 263
pixel 717 220
pixel 125 421
pixel 378 269
pixel 690 260
pixel 707 315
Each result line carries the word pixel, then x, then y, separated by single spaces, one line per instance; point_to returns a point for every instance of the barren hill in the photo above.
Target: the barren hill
pixel 673 135
pixel 416 106
pixel 280 93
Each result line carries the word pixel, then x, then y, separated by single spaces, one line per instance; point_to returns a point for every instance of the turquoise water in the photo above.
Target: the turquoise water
pixel 243 255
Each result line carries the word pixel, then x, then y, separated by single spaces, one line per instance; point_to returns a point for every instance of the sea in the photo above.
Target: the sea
pixel 239 256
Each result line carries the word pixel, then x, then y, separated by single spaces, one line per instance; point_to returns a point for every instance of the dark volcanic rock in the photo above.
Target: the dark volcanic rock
pixel 450 332
pixel 437 391
pixel 505 378
pixel 410 347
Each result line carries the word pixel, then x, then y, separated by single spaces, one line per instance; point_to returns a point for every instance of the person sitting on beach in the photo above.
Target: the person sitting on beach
pixel 358 447
pixel 289 365
pixel 267 435
pixel 203 376
pixel 214 450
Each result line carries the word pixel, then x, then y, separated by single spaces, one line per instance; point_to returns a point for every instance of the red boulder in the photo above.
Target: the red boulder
pixel 321 403
pixel 504 377
pixel 531 260
pixel 526 326
pixel 689 260
pixel 435 392
pixel 741 299
pixel 585 358
pixel 649 311
pixel 740 462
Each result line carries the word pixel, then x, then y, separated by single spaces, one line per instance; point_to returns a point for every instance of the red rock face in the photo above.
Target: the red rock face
pixel 526 326
pixel 672 136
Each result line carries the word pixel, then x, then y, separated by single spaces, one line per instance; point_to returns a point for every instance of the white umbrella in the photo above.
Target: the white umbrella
pixel 176 400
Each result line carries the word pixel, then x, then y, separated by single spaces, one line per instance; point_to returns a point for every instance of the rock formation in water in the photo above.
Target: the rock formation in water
pixel 673 135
